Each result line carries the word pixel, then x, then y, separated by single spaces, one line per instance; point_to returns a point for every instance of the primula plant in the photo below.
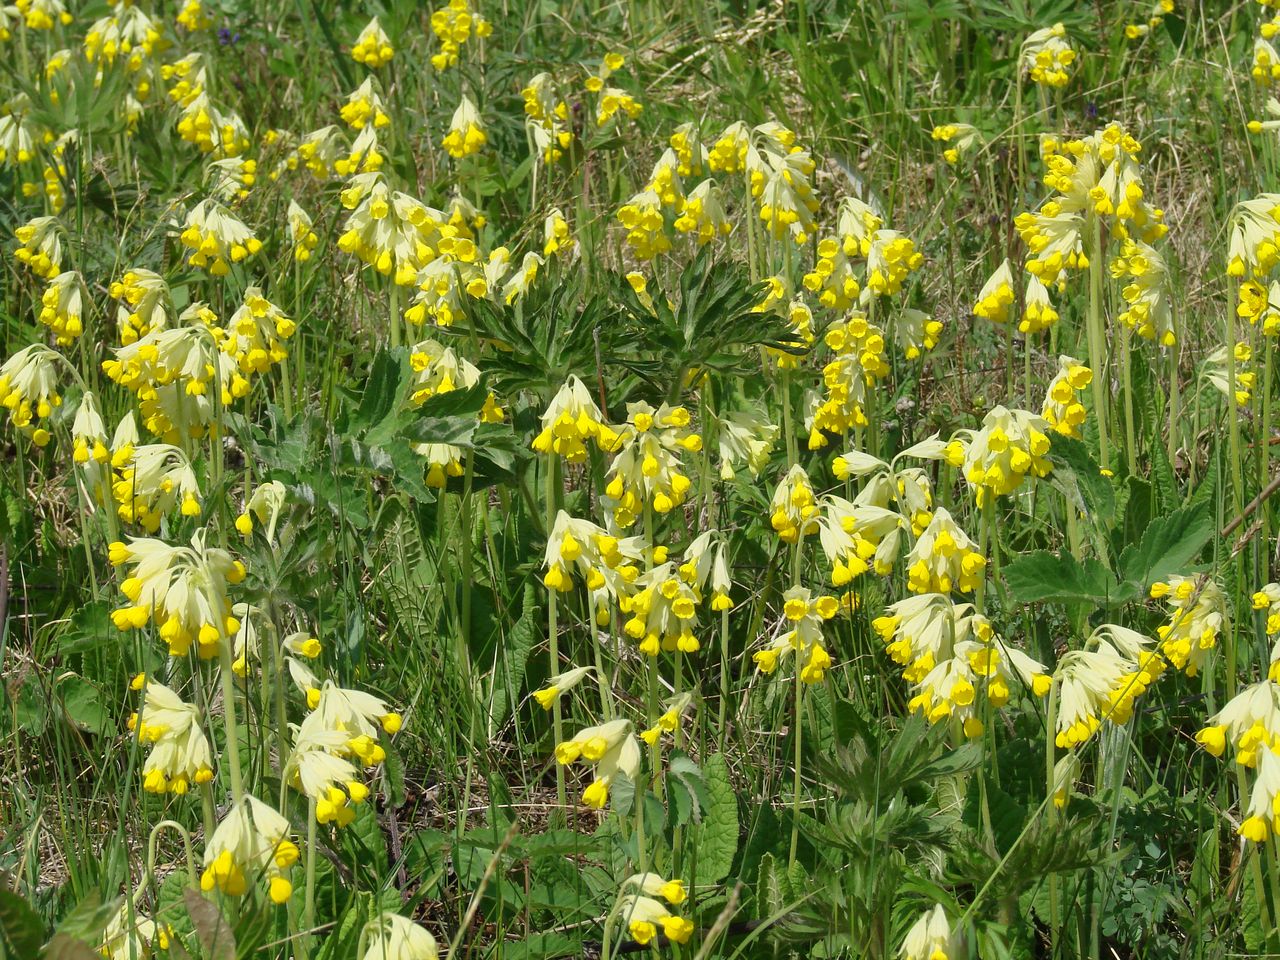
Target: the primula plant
pixel 587 480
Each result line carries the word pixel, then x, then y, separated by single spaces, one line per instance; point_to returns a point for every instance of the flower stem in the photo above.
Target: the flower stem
pixel 1097 345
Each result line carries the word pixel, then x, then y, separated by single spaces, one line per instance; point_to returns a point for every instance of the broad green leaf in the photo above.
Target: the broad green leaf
pixel 1074 466
pixel 1042 576
pixel 1168 545
pixel 513 657
pixel 82 702
pixel 717 836
pixel 212 929
pixel 21 930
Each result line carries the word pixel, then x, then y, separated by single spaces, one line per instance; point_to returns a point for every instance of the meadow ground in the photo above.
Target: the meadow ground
pixel 730 479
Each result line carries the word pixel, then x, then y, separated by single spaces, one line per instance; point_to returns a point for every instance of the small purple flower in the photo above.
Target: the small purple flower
pixel 226 37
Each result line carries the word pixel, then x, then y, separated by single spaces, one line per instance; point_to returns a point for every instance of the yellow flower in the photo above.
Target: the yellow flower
pixel 251 842
pixel 570 421
pixel 373 46
pixel 29 390
pixel 466 134
pixel 393 937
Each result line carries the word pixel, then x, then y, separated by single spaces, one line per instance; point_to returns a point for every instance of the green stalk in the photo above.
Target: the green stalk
pixel 797 784
pixel 1130 428
pixel 1051 810
pixel 394 317
pixel 1097 345
pixel 557 719
pixel 309 898
pixel 229 714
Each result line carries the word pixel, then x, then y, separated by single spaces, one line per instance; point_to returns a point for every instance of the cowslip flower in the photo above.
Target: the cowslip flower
pixel 996 458
pixel 996 296
pixel 151 480
pixel 1062 408
pixel 662 609
pixel 391 231
pixel 806 614
pixel 614 101
pixel 603 561
pixel 612 749
pixel 610 63
pixel 570 421
pixel 179 752
pixel 793 512
pixel 393 937
pixel 1268 599
pixel 1147 293
pixel 364 106
pixel 466 134
pixel 360 715
pixel 687 142
pixel 743 438
pixel 705 565
pixel 1218 367
pixel 145 304
pixel 931 938
pixel 653 885
pixel 857 537
pixel 216 238
pixel 301 232
pixel 848 378
pixel 832 278
pixel 1038 312
pixel 318 767
pixel 89 448
pixel 916 332
pixel 1046 57
pixel 1263 811
pixel 668 721
pixel 944 558
pixel 29 390
pixel 1254 245
pixel 62 306
pixel 373 46
pixel 453 26
pixel 644 916
pixel 251 841
pixel 1056 240
pixel 130 935
pixel 40 246
pixel 263 505
pixel 557 238
pixel 960 138
pixel 647 470
pixel 182 590
pixel 1102 681
pixel 1198 614
pixel 559 685
pixel 43 14
pixel 1250 722
pixel 192 17
pixel 1159 10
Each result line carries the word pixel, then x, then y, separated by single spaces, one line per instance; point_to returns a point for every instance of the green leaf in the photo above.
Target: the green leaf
pixel 1078 475
pixel 384 391
pixel 21 930
pixel 716 837
pixel 89 629
pixel 89 918
pixel 82 703
pixel 1042 576
pixel 508 676
pixel 1168 545
pixel 212 929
